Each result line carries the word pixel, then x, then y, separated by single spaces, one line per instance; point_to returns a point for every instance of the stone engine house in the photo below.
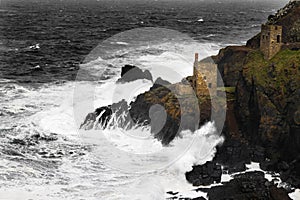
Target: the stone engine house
pixel 204 77
pixel 270 40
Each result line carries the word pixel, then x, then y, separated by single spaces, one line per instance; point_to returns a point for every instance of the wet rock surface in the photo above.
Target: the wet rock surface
pixel 261 122
pixel 250 185
pixel 132 73
pixel 206 174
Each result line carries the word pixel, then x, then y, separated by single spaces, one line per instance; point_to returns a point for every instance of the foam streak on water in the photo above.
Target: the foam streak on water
pixel 80 171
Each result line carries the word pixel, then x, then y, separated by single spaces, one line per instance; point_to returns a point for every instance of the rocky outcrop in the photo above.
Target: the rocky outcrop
pixel 171 111
pixel 262 122
pixel 110 115
pixel 132 73
pixel 230 61
pixel 160 82
pixel 267 102
pixel 250 185
pixel 206 174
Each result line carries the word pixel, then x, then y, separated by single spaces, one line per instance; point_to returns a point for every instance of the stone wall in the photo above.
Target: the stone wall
pixel 270 40
pixel 182 89
pixel 205 73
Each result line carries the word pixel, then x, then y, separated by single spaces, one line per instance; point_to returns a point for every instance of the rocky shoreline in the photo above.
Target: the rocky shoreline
pixel 231 157
pixel 262 116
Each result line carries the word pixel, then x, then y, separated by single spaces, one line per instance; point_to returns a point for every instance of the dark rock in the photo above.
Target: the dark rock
pixel 206 174
pixel 18 141
pixel 159 82
pixel 292 173
pixel 258 154
pixel 278 193
pixel 172 193
pixel 234 155
pixel 268 165
pixel 89 120
pixel 44 137
pixel 283 166
pixel 132 73
pixel 105 115
pixel 250 185
pixel 265 118
pixel 230 61
pixel 237 167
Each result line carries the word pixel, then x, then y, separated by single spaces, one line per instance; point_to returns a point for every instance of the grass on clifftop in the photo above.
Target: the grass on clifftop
pixel 275 73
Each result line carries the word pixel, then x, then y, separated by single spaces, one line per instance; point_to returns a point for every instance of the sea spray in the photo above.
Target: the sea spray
pixel 172 178
pixel 89 175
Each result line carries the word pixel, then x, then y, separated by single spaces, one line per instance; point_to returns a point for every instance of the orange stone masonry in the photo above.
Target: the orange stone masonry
pixel 270 40
pixel 204 77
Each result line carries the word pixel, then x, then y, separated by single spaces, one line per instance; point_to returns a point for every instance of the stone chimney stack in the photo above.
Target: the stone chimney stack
pixel 196 57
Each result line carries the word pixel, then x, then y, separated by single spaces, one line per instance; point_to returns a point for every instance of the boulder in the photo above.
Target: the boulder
pixel 206 174
pixel 131 73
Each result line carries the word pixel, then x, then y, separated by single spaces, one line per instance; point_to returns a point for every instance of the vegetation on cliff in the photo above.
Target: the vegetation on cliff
pixel 267 99
pixel 281 73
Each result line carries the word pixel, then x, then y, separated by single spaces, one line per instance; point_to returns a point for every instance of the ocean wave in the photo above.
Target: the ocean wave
pixel 255 25
pixel 210 35
pixel 185 21
pixel 55 108
pixel 262 11
pixel 120 43
pixel 190 21
pixel 3 80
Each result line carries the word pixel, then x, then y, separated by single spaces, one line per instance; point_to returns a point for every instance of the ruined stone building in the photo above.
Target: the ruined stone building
pixel 270 40
pixel 204 77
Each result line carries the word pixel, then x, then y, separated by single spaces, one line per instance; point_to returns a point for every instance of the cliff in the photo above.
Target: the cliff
pixel 263 105
pixel 267 103
pixel 267 99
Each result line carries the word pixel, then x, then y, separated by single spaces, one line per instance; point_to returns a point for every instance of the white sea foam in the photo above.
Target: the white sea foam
pixel 58 110
pixel 192 149
pixel 120 43
pixel 177 64
pixel 295 195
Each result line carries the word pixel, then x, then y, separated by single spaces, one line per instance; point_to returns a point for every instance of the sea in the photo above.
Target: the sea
pixel 60 60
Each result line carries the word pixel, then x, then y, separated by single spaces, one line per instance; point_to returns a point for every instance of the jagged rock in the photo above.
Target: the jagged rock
pixel 250 185
pixel 159 82
pixel 206 174
pixel 105 113
pixel 132 73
